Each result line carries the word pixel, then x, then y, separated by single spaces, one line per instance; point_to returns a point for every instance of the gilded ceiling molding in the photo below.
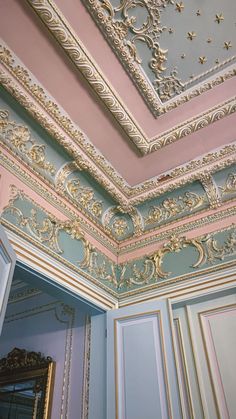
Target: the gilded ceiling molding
pixel 19 138
pixel 45 111
pixel 167 87
pixel 172 207
pixel 15 139
pixel 193 125
pixel 60 28
pixel 120 247
pixel 205 220
pixel 212 190
pixel 53 199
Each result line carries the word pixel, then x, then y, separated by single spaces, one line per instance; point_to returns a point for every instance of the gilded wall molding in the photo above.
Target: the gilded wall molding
pixel 149 271
pixel 115 32
pixel 45 229
pixel 75 142
pixel 57 25
pixel 40 227
pixel 86 372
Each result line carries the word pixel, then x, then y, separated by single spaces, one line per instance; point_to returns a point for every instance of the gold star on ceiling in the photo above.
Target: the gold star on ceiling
pixel 227 45
pixel 179 7
pixel 191 35
pixel 202 59
pixel 219 17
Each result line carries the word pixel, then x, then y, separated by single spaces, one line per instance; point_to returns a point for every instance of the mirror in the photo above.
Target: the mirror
pixel 26 385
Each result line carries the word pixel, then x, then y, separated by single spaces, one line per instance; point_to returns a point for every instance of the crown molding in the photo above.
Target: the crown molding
pixel 23 86
pixel 56 23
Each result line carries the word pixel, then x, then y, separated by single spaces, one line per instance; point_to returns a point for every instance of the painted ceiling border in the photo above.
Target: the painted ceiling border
pixel 125 248
pixel 23 86
pixel 56 23
pixel 137 75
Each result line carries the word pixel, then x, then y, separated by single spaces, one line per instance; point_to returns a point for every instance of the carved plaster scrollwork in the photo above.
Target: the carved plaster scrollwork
pixel 215 251
pixel 120 21
pixel 116 30
pixel 19 138
pixel 149 270
pixel 172 207
pixel 112 181
pixel 83 195
pixel 46 229
pixel 175 245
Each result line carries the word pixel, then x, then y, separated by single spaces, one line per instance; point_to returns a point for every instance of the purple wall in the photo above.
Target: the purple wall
pixel 41 323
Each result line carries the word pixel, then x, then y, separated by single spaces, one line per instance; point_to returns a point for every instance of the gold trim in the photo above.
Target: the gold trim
pixel 49 392
pixel 175 280
pixel 162 342
pixel 86 372
pixel 56 23
pixel 117 248
pixel 196 361
pixel 200 319
pixel 90 160
pixel 50 197
pixel 179 336
pixel 101 298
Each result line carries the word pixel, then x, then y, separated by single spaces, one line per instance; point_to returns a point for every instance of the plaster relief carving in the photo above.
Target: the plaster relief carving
pixel 18 137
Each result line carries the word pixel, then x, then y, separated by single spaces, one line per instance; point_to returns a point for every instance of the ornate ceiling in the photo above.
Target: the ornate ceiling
pixel 168 47
pixel 118 130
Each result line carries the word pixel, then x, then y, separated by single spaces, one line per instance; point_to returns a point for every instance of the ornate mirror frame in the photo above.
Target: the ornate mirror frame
pixel 20 365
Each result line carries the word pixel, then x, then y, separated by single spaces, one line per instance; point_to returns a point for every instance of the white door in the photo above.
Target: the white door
pixel 7 265
pixel 141 374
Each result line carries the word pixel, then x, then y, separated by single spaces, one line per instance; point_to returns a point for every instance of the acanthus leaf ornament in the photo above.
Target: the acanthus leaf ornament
pixel 172 207
pixel 19 138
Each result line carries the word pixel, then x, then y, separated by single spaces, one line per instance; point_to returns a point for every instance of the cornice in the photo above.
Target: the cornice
pixel 61 204
pixel 73 47
pixel 126 246
pixel 17 80
pixel 171 229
